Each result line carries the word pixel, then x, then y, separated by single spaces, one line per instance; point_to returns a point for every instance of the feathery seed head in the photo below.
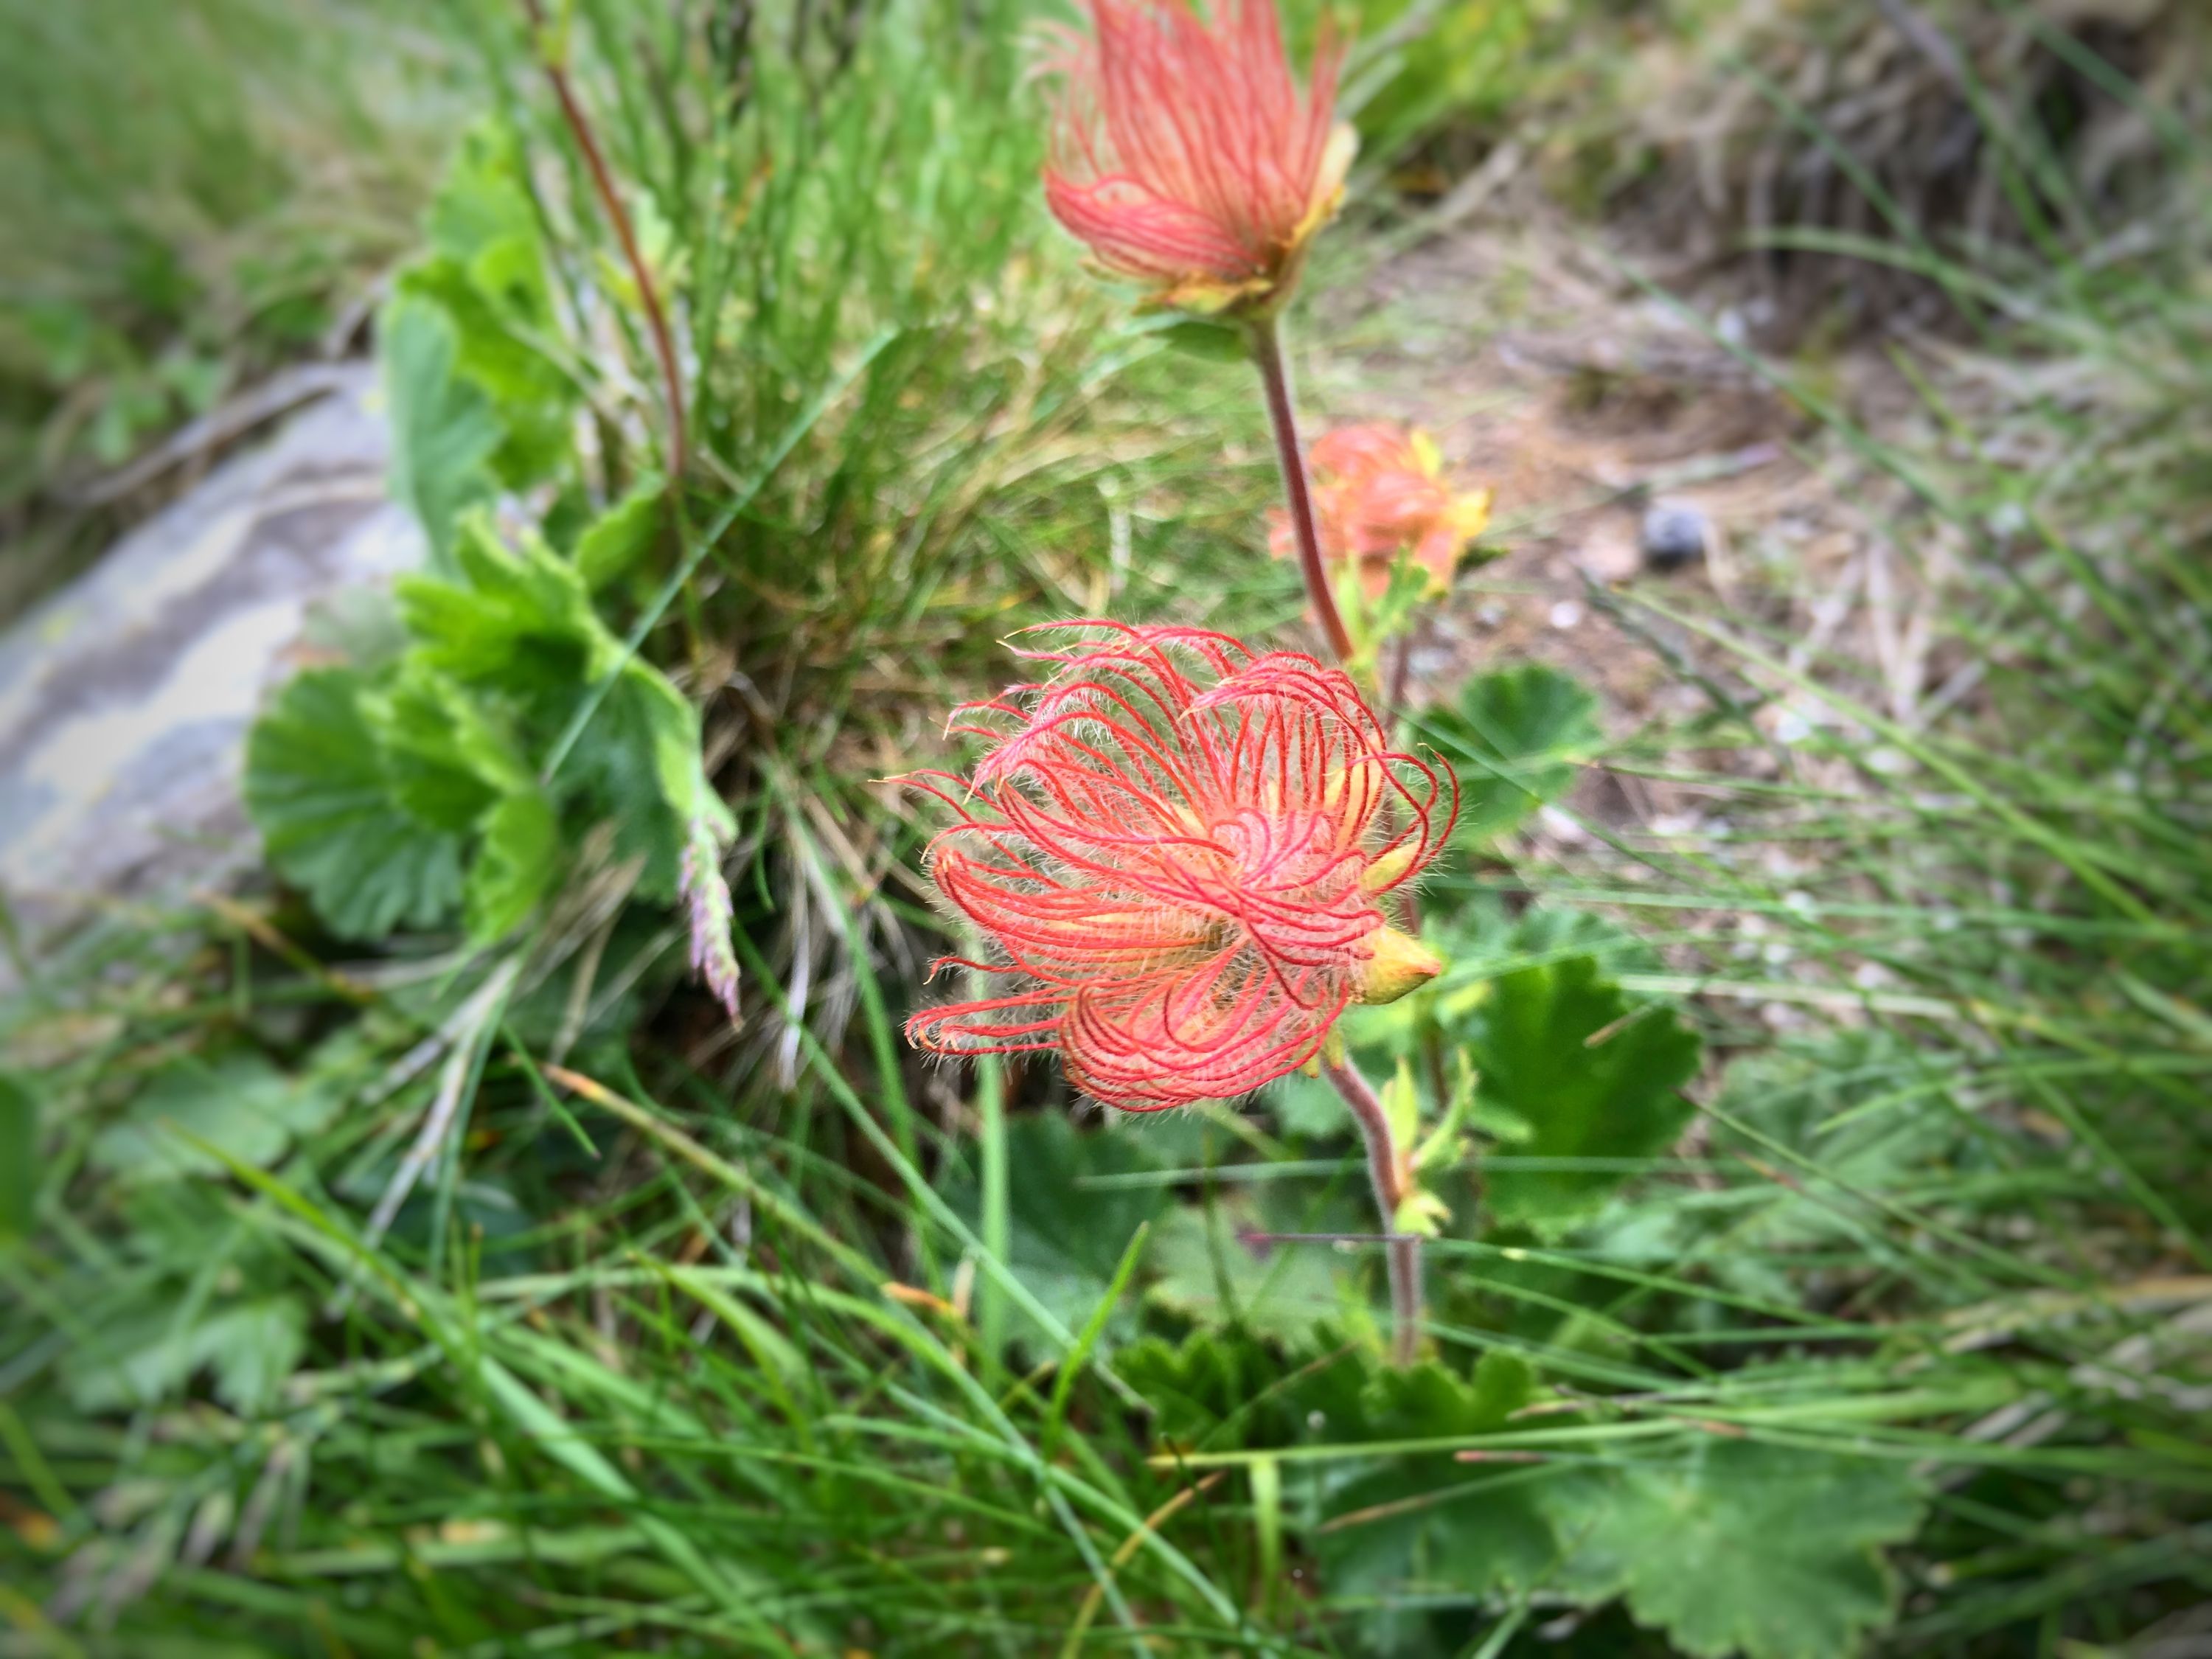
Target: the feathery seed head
pixel 1184 154
pixel 1176 847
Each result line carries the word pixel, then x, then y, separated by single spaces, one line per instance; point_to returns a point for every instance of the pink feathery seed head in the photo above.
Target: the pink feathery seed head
pixel 1176 848
pixel 1380 491
pixel 1185 156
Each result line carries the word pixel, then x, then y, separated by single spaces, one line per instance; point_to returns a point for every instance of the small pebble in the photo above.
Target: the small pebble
pixel 1566 614
pixel 1563 827
pixel 1675 533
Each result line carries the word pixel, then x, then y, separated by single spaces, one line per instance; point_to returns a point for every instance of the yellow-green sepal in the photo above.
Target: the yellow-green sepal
pixel 1420 1213
pixel 1401 1106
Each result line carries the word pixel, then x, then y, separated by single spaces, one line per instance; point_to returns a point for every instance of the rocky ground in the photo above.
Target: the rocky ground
pixel 1635 455
pixel 125 696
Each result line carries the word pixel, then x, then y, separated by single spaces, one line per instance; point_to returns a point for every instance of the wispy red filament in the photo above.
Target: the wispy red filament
pixel 1177 848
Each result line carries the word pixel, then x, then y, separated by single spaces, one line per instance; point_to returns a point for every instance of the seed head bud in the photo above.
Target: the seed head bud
pixel 1399 963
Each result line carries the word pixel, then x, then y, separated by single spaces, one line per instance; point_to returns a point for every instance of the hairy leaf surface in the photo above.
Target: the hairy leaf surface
pixel 1515 739
pixel 1769 1551
pixel 316 786
pixel 1557 1050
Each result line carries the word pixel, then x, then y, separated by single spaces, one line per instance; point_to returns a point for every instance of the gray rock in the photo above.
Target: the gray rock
pixel 125 697
pixel 1675 534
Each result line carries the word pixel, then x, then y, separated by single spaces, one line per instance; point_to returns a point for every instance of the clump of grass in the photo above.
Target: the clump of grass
pixel 912 423
pixel 634 1382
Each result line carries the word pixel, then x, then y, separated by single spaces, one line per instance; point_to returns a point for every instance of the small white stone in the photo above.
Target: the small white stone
pixel 1561 827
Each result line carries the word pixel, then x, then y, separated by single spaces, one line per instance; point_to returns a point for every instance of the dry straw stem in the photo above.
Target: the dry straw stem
pixel 664 343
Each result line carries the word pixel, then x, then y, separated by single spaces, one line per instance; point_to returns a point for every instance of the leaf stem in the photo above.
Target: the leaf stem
pixel 1387 1168
pixel 1266 342
pixel 664 345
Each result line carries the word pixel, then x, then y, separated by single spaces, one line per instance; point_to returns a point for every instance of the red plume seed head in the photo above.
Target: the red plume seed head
pixel 1177 848
pixel 1185 156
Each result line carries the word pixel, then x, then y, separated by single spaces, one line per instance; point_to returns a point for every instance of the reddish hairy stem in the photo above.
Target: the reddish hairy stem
pixel 1386 1167
pixel 1401 670
pixel 1276 380
pixel 1386 1161
pixel 664 345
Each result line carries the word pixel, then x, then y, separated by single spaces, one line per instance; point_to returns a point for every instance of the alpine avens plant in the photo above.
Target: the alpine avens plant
pixel 1184 853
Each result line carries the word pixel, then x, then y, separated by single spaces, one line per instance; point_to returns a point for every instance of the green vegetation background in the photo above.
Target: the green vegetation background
pixel 411 1259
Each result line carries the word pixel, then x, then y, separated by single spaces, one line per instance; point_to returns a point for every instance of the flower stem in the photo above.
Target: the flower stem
pixel 1386 1160
pixel 1275 378
pixel 1386 1167
pixel 580 128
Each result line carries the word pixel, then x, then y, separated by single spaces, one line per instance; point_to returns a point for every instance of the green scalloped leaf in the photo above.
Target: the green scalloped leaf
pixel 639 761
pixel 249 1347
pixel 1740 1548
pixel 316 787
pixel 518 619
pixel 514 865
pixel 1212 1271
pixel 1434 1527
pixel 1431 1524
pixel 486 272
pixel 444 760
pixel 1558 1051
pixel 443 430
pixel 1515 739
pixel 615 541
pixel 240 1105
pixel 1226 1388
pixel 1429 1401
